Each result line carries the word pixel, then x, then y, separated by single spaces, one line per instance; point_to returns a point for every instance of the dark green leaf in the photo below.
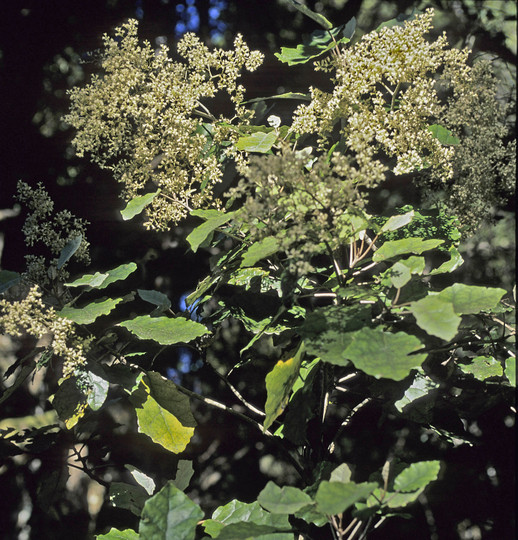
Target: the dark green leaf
pixel 8 279
pixel 128 496
pixel 70 248
pixel 184 474
pixel 320 19
pixel 155 297
pixel 169 515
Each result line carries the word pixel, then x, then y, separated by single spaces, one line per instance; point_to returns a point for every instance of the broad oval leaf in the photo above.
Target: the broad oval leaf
pixel 259 142
pixel 89 313
pixel 102 280
pixel 137 204
pixel 98 390
pixel 443 135
pixel 127 496
pixel 165 330
pixel 286 500
pixel 417 476
pixel 436 316
pixel 396 222
pixel 471 299
pixel 169 515
pixel 394 248
pixel 335 497
pixel 70 248
pixel 384 354
pixel 163 427
pixel 483 367
pixel 155 297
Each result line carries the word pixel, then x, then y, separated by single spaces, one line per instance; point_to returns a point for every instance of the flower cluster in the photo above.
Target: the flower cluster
pixel 53 229
pixel 309 208
pixel 31 316
pixel 145 118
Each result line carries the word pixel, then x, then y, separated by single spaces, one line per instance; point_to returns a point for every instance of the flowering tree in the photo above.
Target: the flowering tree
pixel 337 307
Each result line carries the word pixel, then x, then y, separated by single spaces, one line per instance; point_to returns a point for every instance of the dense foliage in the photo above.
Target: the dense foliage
pixel 331 307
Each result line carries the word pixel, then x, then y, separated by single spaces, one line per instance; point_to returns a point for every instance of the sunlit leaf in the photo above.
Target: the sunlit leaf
pixel 97 390
pixel 116 534
pixel 483 367
pixel 455 262
pixel 89 313
pixel 335 497
pixel 102 280
pixel 165 330
pixel 396 222
pixel 510 370
pixel 279 384
pixel 384 354
pixel 417 476
pixel 213 220
pixel 264 248
pixel 443 135
pixel 70 402
pixel 137 204
pixel 394 248
pixel 239 512
pixel 169 515
pixel 286 500
pixel 142 479
pixel 473 299
pixel 257 142
pixel 435 315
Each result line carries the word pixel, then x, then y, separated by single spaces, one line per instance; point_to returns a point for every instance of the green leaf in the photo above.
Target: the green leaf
pixel 155 297
pixel 213 220
pixel 102 280
pixel 417 476
pixel 259 142
pixel 471 299
pixel 264 248
pixel 394 248
pixel 162 427
pixel 169 515
pixel 98 390
pixel 279 384
pixel 89 313
pixel 127 496
pixel 21 376
pixel 397 275
pixel 8 279
pixel 420 387
pixel 165 330
pixel 70 402
pixel 137 204
pixel 286 95
pixel 443 135
pixel 396 222
pixel 455 261
pixel 435 315
pixel 184 474
pixel 335 497
pixel 286 500
pixel 70 248
pixel 384 354
pixel 142 479
pixel 239 512
pixel 510 370
pixel 320 19
pixel 341 474
pixel 115 534
pixel 483 367
pixel 398 21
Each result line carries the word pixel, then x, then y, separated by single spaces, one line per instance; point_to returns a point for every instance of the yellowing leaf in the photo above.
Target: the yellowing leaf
pixel 279 384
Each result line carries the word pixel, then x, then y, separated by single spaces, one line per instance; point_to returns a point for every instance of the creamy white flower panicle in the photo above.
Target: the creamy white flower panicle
pixel 144 118
pixel 31 316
